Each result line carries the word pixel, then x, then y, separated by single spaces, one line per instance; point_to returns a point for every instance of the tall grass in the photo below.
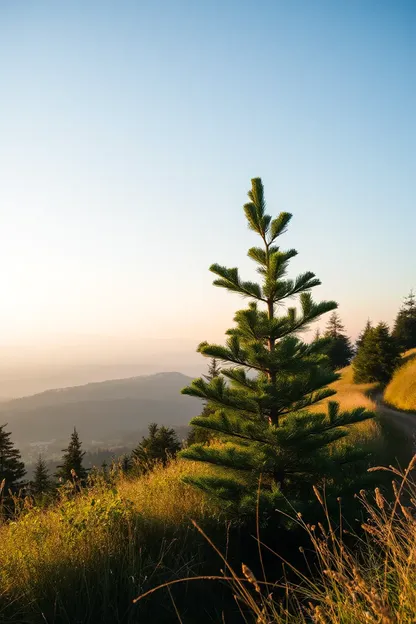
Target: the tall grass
pixel 373 582
pixel 401 391
pixel 85 558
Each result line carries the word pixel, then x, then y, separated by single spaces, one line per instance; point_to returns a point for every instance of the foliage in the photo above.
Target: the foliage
pixel 41 483
pixel 160 445
pixel 201 434
pixel 363 334
pixel 12 469
pixel 378 356
pixel 401 391
pixel 71 467
pixel 404 330
pixel 339 348
pixel 263 418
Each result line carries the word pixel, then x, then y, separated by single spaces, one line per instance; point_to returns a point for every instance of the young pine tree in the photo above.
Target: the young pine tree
pixel 368 327
pixel 12 469
pixel 71 467
pixel 405 325
pixel 263 418
pixel 377 357
pixel 200 434
pixel 41 483
pixel 159 446
pixel 339 348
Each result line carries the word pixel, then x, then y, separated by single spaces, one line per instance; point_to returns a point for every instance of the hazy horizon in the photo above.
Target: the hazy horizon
pixel 130 133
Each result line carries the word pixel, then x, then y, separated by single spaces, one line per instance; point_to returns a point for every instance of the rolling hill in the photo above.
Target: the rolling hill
pixel 401 391
pixel 109 413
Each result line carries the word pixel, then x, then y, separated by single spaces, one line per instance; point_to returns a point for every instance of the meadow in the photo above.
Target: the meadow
pixel 85 558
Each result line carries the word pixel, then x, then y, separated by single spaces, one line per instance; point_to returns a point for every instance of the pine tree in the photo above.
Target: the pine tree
pixel 339 348
pixel 125 463
pixel 158 447
pixel 377 357
pixel 200 434
pixel 213 370
pixel 71 467
pixel 12 469
pixel 263 419
pixel 363 334
pixel 405 325
pixel 41 483
pixel 317 335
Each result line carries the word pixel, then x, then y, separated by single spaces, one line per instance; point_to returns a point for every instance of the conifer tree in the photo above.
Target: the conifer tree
pixel 71 467
pixel 125 463
pixel 339 348
pixel 160 445
pixel 12 469
pixel 263 417
pixel 41 483
pixel 362 335
pixel 377 357
pixel 405 325
pixel 200 434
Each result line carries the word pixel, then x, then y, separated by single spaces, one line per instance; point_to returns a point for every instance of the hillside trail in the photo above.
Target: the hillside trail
pixel 404 421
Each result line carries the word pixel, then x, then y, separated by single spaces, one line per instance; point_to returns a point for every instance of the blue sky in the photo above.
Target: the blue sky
pixel 129 134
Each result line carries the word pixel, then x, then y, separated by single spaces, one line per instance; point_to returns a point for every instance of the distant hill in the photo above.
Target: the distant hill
pixel 401 391
pixel 109 413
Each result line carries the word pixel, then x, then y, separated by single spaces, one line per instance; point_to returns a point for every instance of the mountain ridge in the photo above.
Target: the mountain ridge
pixel 114 411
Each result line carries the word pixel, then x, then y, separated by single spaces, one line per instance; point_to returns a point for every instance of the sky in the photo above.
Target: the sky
pixel 129 132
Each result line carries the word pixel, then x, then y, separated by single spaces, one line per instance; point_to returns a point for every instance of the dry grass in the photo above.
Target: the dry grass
pixel 86 557
pixel 401 391
pixel 374 583
pixel 350 395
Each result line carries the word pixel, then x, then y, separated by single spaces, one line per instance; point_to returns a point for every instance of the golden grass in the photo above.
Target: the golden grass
pixel 401 391
pixel 122 536
pixel 372 583
pixel 350 395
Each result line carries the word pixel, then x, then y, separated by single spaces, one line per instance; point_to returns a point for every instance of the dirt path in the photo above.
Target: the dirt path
pixel 406 422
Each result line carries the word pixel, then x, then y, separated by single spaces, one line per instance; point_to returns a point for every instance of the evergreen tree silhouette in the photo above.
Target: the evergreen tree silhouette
pixel 41 483
pixel 71 467
pixel 159 446
pixel 339 348
pixel 405 324
pixel 363 334
pixel 377 357
pixel 12 469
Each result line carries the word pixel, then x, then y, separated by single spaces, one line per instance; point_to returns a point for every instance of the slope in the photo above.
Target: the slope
pixel 401 391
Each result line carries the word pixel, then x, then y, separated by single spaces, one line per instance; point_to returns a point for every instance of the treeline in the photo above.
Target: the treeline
pixel 376 353
pixel 161 444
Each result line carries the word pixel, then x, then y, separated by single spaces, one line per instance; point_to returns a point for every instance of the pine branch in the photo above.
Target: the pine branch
pixel 230 280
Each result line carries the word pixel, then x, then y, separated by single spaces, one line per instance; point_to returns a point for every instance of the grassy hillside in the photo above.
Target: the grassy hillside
pixel 349 396
pixel 401 391
pixel 85 559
